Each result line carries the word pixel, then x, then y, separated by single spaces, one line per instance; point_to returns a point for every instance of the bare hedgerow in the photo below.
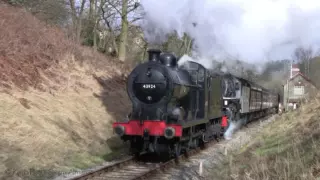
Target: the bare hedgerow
pixel 27 46
pixel 31 49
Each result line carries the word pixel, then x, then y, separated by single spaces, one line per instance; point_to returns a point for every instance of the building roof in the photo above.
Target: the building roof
pixel 295 65
pixel 304 77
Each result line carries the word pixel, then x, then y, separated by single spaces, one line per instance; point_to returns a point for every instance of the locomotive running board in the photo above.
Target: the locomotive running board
pixel 194 122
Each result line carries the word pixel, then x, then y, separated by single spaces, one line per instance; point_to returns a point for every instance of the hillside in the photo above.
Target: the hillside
pixel 288 148
pixel 58 99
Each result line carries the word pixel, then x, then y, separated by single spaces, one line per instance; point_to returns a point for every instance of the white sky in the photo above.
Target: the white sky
pixel 253 30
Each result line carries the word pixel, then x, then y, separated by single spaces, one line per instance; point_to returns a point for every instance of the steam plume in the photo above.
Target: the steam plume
pixel 252 30
pixel 233 127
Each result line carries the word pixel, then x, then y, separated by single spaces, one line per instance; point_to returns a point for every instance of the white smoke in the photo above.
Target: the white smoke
pixel 233 127
pixel 204 61
pixel 253 31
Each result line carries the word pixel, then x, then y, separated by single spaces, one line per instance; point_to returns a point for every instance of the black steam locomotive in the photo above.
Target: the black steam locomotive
pixel 175 108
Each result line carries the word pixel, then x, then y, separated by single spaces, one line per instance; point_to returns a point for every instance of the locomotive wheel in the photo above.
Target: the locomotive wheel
pixel 196 142
pixel 177 150
pixel 201 144
pixel 134 152
pixel 136 148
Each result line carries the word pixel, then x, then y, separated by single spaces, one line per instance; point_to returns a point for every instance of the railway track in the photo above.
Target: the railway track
pixel 131 169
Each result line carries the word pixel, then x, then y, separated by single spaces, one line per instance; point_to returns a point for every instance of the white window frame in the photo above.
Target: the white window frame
pixel 301 90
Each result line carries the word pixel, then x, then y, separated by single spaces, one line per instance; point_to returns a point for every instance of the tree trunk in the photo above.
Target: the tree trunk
pixel 124 31
pixel 114 43
pixel 74 19
pixel 145 48
pixel 183 45
pixel 95 37
pixel 96 21
pixel 189 46
pixel 77 19
pixel 91 10
pixel 79 29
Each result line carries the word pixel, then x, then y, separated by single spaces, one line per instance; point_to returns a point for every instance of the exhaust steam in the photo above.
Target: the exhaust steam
pixel 233 127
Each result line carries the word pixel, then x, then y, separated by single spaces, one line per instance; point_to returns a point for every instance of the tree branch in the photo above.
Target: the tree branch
pixel 134 6
pixel 136 19
pixel 113 6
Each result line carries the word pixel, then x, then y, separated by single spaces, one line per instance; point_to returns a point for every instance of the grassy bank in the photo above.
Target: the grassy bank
pixel 288 148
pixel 58 100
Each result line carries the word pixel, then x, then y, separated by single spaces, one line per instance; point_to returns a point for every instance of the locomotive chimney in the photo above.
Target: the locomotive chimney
pixel 154 54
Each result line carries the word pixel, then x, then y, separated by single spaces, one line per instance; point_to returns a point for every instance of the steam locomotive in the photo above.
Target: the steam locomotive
pixel 178 107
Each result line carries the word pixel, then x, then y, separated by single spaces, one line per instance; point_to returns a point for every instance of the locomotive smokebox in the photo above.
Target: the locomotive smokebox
pixel 154 54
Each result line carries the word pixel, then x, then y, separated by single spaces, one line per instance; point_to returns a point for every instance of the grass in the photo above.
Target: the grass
pixel 56 132
pixel 287 149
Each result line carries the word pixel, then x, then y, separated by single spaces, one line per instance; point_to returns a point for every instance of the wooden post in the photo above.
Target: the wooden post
pixel 201 168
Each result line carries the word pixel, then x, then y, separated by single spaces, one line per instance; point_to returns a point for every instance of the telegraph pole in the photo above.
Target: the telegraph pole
pixel 291 63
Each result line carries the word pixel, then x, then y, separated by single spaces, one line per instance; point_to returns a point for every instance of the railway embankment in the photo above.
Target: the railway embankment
pixel 278 147
pixel 57 100
pixel 287 148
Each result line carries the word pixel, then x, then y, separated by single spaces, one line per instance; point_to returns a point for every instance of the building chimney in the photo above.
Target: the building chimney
pixel 294 70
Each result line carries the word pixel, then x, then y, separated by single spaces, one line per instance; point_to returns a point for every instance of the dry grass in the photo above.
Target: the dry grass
pixel 27 47
pixel 54 114
pixel 287 149
pixel 32 51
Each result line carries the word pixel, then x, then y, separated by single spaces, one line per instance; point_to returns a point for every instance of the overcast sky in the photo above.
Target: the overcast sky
pixel 254 30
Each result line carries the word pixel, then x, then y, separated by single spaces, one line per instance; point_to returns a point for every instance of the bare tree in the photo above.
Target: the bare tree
pixel 109 17
pixel 95 16
pixel 124 31
pixel 77 14
pixel 111 10
pixel 304 55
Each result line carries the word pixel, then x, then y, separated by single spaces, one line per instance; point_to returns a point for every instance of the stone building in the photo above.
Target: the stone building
pixel 297 89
